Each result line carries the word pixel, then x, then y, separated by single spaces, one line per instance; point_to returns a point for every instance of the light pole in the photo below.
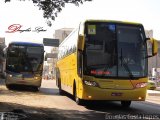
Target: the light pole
pixel 157 69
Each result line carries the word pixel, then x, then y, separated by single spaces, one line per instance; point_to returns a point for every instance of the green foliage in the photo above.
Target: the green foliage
pixel 51 8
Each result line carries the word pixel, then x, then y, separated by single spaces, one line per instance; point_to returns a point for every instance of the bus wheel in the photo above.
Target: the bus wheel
pixel 9 87
pixel 77 100
pixel 61 92
pixel 35 89
pixel 126 104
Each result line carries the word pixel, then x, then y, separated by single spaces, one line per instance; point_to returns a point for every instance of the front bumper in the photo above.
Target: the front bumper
pixel 96 93
pixel 23 81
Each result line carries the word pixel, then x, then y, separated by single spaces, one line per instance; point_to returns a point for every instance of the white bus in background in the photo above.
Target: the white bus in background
pixel 24 64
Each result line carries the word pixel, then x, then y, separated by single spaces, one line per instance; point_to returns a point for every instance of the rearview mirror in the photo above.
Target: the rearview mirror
pixel 152 47
pixel 81 42
pixel 4 55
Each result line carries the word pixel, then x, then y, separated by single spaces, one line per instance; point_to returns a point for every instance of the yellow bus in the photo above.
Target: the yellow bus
pixel 105 60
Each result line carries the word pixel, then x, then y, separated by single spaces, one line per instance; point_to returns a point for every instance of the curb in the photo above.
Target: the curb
pixel 153 94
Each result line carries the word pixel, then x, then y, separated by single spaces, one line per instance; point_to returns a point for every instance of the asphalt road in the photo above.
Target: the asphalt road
pixel 47 104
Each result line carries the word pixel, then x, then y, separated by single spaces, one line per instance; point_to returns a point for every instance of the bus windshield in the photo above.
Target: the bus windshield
pixel 115 50
pixel 24 58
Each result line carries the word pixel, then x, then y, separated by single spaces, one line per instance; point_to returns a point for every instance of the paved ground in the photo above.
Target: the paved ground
pixel 47 104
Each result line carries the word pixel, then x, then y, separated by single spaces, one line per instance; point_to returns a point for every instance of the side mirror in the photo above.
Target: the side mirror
pixel 4 55
pixel 81 42
pixel 155 47
pixel 152 47
pixel 45 58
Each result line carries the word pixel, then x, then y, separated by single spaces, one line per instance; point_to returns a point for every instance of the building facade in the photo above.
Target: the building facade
pixel 61 34
pixel 2 60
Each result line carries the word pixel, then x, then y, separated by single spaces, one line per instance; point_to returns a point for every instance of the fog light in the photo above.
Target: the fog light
pixel 139 98
pixel 36 78
pixel 89 97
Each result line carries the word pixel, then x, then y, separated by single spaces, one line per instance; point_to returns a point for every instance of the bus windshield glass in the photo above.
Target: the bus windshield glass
pixel 115 50
pixel 24 58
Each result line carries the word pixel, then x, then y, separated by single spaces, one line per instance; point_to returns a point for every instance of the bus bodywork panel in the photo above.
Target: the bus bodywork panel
pixel 68 72
pixel 30 81
pixel 113 89
pixel 92 93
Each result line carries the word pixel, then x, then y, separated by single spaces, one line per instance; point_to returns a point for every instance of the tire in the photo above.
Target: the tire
pixel 126 104
pixel 58 82
pixel 56 77
pixel 77 100
pixel 9 87
pixel 35 89
pixel 61 92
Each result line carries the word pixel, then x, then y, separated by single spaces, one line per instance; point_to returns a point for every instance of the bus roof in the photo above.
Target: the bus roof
pixel 112 21
pixel 26 43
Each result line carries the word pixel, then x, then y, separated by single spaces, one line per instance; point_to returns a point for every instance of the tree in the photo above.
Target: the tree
pixel 52 7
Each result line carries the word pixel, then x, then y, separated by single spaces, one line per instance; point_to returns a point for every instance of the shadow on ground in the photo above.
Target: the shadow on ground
pixel 37 113
pixel 94 112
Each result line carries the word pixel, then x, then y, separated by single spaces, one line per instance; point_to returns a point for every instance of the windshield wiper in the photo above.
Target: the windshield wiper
pixel 125 65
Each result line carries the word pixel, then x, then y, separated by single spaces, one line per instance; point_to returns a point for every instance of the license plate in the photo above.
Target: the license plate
pixel 116 94
pixel 19 76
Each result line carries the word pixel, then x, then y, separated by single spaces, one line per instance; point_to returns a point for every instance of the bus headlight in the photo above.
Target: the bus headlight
pixel 36 78
pixel 10 76
pixel 141 85
pixel 90 83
